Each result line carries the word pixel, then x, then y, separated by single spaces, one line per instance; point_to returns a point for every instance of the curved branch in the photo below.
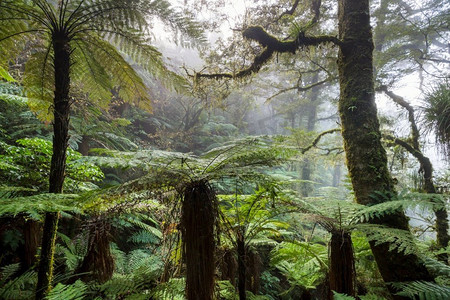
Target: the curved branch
pixel 272 45
pixel 317 139
pixel 299 88
pixel 403 103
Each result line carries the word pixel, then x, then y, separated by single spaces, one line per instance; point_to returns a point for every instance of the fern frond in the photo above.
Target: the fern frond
pixel 401 202
pixel 21 287
pixel 339 296
pixel 35 205
pixel 76 291
pixel 436 267
pixel 423 290
pixel 399 240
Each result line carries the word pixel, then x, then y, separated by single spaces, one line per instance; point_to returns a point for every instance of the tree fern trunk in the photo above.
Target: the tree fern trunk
pixel 366 157
pixel 31 235
pixel 61 111
pixel 342 275
pixel 242 269
pixel 198 219
pixel 98 261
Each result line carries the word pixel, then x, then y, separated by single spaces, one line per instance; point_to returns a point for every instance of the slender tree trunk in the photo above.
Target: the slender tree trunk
pixel 61 111
pixel 337 174
pixel 311 123
pixel 342 274
pixel 366 157
pixel 198 219
pixel 242 270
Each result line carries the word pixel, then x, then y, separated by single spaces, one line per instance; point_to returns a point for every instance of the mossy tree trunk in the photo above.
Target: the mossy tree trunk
pixel 366 157
pixel 199 212
pixel 61 111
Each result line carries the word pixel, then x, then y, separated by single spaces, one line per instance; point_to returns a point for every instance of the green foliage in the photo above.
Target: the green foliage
pixel 89 28
pixel 338 296
pixel 423 290
pixel 5 75
pixel 17 170
pixel 304 264
pixel 76 291
pixel 171 290
pixel 35 205
pixel 437 114
pixel 20 287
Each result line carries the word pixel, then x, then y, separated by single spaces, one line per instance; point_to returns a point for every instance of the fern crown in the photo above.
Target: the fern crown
pixel 97 33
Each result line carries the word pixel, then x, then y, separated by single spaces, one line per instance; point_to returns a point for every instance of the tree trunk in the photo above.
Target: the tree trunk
pixel 83 146
pixel 366 157
pixel 306 187
pixel 98 261
pixel 61 112
pixel 198 219
pixel 337 174
pixel 242 270
pixel 442 236
pixel 342 274
pixel 31 233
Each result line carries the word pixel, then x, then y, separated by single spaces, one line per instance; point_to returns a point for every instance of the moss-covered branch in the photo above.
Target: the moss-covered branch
pixel 271 45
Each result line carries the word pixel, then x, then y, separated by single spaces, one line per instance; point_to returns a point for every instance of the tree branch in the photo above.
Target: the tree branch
pixel 271 45
pixel 298 88
pixel 403 103
pixel 317 139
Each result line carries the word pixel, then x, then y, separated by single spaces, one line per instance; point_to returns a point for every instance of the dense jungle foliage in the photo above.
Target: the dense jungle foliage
pixel 224 149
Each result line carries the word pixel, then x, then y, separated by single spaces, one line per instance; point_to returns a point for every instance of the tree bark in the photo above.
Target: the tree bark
pixel 242 270
pixel 61 112
pixel 198 219
pixel 31 235
pixel 342 273
pixel 366 157
pixel 98 262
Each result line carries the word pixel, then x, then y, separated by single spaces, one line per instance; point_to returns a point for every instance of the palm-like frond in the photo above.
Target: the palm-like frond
pixel 103 35
pixel 437 114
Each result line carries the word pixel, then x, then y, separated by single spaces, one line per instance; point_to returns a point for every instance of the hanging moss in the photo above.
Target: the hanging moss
pixel 199 211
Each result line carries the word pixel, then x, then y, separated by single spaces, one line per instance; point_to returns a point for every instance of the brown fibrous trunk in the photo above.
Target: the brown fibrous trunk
pixel 98 264
pixel 341 274
pixel 199 211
